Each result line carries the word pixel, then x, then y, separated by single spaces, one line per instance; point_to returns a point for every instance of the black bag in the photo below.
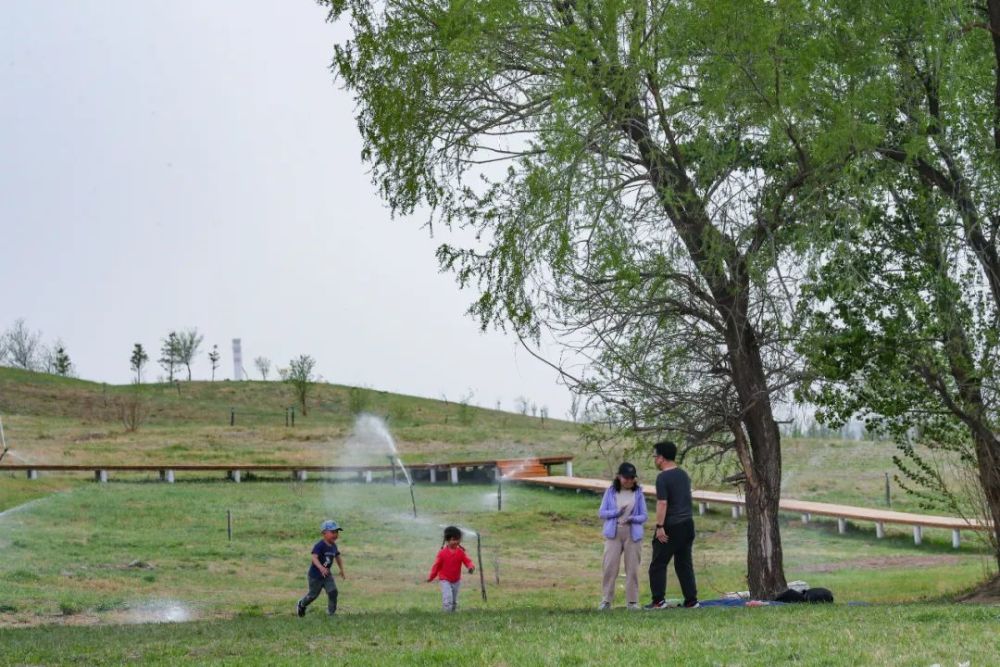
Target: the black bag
pixel 818 595
pixel 790 596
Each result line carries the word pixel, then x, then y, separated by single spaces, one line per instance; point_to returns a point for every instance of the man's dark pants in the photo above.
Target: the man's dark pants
pixel 677 547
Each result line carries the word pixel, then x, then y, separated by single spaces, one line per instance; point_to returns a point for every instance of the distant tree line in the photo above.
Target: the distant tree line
pixel 20 347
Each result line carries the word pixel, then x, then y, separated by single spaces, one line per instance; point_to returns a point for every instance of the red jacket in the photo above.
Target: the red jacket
pixel 448 564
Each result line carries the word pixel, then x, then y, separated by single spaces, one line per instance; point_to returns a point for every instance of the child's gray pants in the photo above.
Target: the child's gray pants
pixel 449 594
pixel 316 585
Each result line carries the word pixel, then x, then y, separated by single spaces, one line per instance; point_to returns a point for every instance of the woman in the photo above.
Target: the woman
pixel 624 511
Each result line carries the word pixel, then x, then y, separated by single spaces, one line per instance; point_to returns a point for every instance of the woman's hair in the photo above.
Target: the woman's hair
pixel 452 533
pixel 617 483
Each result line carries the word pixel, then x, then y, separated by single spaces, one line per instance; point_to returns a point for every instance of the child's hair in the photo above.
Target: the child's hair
pixel 452 533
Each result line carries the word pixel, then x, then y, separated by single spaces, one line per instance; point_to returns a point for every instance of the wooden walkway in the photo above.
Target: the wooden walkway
pixel 806 509
pixel 431 471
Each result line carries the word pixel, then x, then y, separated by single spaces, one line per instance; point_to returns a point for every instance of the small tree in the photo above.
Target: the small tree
pixel 522 405
pixel 188 343
pixel 132 410
pixel 61 362
pixel 170 355
pixel 23 346
pixel 466 415
pixel 300 376
pixel 213 357
pixel 137 361
pixel 263 365
pixel 358 400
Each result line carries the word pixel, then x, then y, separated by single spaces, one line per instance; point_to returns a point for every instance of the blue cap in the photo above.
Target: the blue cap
pixel 329 525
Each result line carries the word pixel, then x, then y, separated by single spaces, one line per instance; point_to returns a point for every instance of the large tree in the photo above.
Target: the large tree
pixel 632 172
pixel 906 306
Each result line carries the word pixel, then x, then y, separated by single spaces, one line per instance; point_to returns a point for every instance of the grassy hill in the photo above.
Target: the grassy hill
pixel 52 419
pixel 49 419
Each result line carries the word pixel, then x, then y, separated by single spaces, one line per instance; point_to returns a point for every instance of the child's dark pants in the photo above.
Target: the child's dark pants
pixel 316 585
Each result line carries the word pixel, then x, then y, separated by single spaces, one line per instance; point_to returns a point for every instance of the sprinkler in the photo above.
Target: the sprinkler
pixel 3 442
pixel 479 557
pixel 409 481
pixel 413 501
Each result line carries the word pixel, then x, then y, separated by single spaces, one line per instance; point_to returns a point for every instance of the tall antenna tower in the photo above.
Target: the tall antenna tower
pixel 237 360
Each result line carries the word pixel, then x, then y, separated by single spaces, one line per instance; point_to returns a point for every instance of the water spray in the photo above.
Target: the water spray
pixel 409 481
pixel 373 427
pixel 479 557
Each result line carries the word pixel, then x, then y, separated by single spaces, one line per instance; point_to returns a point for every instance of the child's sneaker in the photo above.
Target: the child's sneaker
pixel 633 606
pixel 300 611
pixel 690 605
pixel 605 606
pixel 662 604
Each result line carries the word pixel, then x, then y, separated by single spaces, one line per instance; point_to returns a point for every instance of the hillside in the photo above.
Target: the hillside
pixel 53 419
pixel 50 419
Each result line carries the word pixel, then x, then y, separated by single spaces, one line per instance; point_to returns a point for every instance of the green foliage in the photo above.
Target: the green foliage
pixel 137 361
pixel 300 377
pixel 904 297
pixel 61 363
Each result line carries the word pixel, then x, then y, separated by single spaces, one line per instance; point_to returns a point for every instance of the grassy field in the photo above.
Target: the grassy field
pixel 81 564
pixel 130 553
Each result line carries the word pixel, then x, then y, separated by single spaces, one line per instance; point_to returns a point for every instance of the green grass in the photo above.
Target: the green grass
pixel 127 548
pixel 920 635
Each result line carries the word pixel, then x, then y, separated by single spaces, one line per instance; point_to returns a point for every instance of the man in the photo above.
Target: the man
pixel 674 531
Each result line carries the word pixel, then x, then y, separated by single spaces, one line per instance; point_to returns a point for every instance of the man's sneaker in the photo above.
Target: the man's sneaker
pixel 633 606
pixel 605 606
pixel 690 605
pixel 300 611
pixel 662 604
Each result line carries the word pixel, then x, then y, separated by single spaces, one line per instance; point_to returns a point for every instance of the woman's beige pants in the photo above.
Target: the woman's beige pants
pixel 613 551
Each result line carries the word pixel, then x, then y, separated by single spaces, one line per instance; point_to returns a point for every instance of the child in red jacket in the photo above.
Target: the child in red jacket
pixel 448 567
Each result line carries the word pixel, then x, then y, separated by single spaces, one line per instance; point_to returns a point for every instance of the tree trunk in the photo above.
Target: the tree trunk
pixel 988 461
pixel 765 560
pixel 762 467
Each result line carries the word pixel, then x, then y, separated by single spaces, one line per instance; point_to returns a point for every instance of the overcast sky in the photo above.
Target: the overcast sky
pixel 191 163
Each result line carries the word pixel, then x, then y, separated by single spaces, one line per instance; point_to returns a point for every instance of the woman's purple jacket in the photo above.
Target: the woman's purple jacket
pixel 609 512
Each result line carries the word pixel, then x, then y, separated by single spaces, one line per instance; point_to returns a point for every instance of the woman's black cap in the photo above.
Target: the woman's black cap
pixel 626 470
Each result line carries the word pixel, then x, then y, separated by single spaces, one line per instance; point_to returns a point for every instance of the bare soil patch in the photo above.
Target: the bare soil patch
pixel 986 593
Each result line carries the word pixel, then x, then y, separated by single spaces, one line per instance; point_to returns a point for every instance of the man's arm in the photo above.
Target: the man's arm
pixel 661 516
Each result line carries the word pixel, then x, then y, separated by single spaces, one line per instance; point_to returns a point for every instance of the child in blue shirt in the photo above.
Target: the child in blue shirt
pixel 324 554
